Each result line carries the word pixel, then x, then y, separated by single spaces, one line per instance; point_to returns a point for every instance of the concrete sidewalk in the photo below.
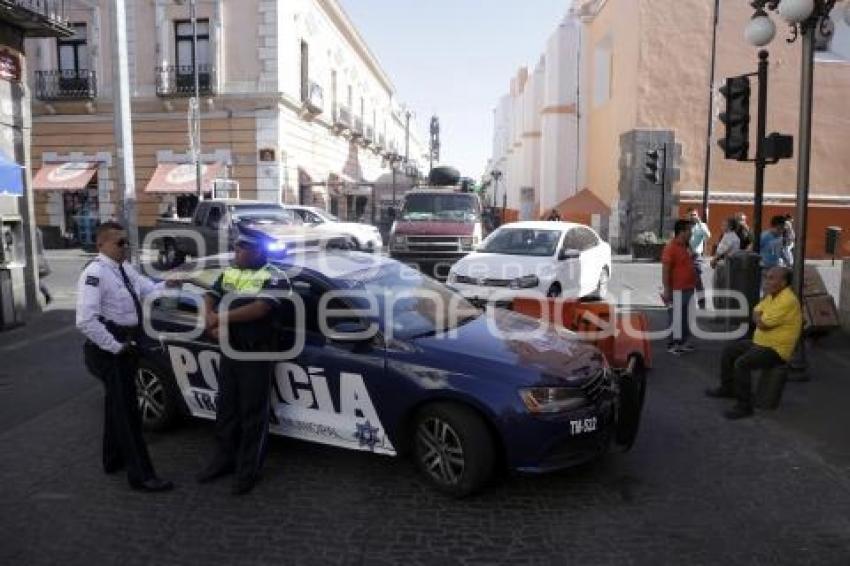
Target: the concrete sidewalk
pixel 813 413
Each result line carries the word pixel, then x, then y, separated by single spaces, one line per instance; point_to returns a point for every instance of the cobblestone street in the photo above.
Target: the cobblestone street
pixel 695 488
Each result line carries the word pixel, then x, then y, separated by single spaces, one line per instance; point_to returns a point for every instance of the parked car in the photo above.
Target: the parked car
pixel 555 259
pixel 445 390
pixel 364 237
pixel 217 223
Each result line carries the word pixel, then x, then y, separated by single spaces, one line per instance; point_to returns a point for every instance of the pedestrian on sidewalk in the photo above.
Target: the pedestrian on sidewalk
pixel 745 235
pixel 554 216
pixel 43 267
pixel 109 314
pixel 680 281
pixel 779 322
pixel 772 245
pixel 244 395
pixel 700 234
pixel 789 238
pixel 729 245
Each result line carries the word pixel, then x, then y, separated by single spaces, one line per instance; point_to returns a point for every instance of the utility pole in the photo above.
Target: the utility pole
pixel 407 136
pixel 761 160
pixel 122 123
pixel 709 134
pixel 196 104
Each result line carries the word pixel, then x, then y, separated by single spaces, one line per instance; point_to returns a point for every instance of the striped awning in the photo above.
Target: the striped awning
pixel 72 176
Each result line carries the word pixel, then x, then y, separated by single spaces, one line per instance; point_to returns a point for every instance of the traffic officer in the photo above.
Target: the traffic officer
pixel 109 314
pixel 244 387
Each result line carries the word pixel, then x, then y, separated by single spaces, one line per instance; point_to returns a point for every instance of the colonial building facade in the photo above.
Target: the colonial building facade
pixel 295 108
pixel 619 77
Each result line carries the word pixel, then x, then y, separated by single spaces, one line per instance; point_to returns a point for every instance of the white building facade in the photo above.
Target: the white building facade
pixel 295 107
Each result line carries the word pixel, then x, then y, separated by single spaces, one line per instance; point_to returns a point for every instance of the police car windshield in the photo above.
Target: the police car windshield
pixel 409 304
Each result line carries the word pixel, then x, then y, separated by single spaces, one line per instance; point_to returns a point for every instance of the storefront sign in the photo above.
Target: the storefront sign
pixel 267 154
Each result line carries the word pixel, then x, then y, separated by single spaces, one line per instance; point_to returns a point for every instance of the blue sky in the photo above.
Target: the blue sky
pixel 455 58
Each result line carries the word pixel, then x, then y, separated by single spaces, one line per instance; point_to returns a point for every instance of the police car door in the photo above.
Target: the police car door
pixel 324 393
pixel 191 355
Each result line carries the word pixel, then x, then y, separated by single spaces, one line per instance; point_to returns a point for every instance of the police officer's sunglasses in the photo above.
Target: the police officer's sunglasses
pixel 123 243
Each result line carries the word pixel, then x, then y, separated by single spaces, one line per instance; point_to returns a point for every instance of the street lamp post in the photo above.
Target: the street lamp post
pixel 496 175
pixel 196 130
pixel 807 18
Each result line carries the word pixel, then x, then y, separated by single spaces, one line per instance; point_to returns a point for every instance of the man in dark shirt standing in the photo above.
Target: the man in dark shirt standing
pixel 242 415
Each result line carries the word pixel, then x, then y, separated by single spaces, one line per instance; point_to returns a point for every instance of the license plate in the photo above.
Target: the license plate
pixel 582 426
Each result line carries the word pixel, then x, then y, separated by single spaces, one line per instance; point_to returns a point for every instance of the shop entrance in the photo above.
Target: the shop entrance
pixel 81 215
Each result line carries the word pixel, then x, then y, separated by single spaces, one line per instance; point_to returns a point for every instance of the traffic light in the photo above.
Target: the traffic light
pixel 651 168
pixel 736 118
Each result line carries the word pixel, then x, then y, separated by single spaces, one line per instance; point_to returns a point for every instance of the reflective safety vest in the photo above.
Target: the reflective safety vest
pixel 235 279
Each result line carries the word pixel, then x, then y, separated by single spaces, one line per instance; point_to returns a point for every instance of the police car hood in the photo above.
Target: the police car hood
pixel 285 232
pixel 514 346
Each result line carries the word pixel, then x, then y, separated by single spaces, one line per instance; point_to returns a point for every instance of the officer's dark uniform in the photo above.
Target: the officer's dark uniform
pixel 109 314
pixel 244 387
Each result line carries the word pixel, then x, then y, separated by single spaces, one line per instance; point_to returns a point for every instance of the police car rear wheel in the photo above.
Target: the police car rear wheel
pixel 453 448
pixel 158 406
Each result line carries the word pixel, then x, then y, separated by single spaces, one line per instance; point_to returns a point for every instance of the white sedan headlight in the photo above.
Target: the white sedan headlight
pixel 527 282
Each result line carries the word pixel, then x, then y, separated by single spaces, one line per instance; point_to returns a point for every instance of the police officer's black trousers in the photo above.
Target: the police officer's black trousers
pixel 242 417
pixel 123 443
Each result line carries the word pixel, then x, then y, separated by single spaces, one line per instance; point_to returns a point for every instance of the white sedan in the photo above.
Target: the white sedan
pixel 551 259
pixel 366 237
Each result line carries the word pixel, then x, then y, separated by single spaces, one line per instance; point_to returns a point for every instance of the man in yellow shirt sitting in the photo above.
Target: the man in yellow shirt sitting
pixel 779 321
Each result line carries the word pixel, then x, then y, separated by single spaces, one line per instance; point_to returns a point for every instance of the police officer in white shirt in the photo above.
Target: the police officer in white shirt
pixel 109 314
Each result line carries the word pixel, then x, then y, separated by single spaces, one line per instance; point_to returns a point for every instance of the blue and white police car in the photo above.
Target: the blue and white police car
pixel 406 367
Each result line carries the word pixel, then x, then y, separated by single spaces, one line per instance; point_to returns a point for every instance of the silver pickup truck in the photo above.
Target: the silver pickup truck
pixel 215 225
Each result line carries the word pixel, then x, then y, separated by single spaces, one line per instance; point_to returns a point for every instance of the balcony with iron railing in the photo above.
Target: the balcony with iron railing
pixel 357 127
pixel 180 80
pixel 342 118
pixel 65 85
pixel 313 98
pixel 37 18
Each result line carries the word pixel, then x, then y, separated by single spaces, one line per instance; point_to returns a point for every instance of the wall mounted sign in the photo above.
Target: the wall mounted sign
pixel 267 154
pixel 10 66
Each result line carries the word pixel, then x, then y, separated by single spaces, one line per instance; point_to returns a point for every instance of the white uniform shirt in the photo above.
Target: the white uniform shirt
pixel 101 293
pixel 729 244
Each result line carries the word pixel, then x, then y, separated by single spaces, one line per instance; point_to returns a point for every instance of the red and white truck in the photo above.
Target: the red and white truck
pixel 436 225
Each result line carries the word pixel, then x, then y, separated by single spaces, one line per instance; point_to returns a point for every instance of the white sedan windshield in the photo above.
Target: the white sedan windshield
pixel 522 241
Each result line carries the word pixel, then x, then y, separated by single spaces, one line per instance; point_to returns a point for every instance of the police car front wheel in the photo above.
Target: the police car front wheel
pixel 453 448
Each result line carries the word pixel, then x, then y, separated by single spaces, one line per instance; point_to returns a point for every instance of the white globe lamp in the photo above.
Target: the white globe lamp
pixel 796 11
pixel 760 31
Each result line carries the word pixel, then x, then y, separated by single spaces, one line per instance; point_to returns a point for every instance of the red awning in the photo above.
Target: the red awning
pixel 180 178
pixel 64 176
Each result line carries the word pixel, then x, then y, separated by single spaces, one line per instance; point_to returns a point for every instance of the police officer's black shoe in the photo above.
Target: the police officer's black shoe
pixel 152 485
pixel 720 393
pixel 113 468
pixel 739 412
pixel 213 472
pixel 243 486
